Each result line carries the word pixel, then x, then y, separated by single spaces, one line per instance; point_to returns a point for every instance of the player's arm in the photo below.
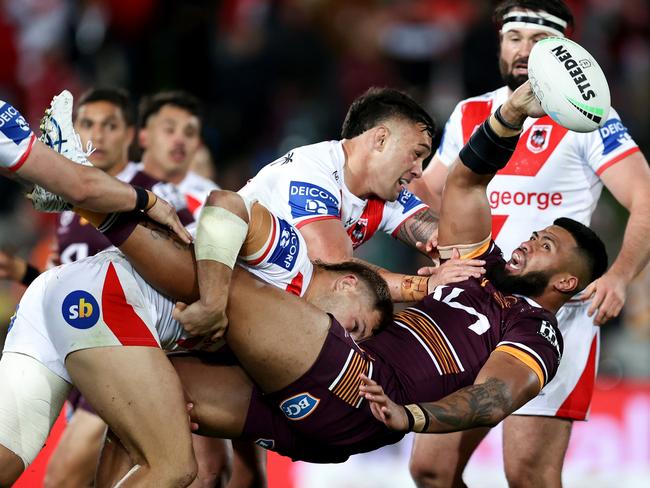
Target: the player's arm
pixel 504 384
pixel 629 182
pixel 465 215
pixel 327 240
pixel 421 228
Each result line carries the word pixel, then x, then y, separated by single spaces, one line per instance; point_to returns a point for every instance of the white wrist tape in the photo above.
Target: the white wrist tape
pixel 219 236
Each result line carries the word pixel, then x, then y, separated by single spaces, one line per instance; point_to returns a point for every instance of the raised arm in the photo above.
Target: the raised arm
pixel 465 215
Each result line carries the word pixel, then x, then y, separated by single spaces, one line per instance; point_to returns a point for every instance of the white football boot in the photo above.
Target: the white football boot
pixel 57 132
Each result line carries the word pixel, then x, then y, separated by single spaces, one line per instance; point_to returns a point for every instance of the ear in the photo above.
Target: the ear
pixel 380 137
pixel 346 282
pixel 566 283
pixel 143 138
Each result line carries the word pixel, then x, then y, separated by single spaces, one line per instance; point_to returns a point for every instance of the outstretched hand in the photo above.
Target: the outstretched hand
pixel 198 319
pixel 524 102
pixel 382 407
pixel 453 270
pixel 163 213
pixel 430 248
pixel 608 296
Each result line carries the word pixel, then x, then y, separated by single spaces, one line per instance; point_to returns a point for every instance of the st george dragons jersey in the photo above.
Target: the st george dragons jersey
pixel 440 344
pixel 16 138
pixel 307 184
pixel 77 239
pixel 553 172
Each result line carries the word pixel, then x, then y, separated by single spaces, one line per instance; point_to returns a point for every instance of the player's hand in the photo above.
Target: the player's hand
pixel 200 319
pixel 608 296
pixel 453 270
pixel 163 213
pixel 522 101
pixel 430 248
pixel 382 407
pixel 12 267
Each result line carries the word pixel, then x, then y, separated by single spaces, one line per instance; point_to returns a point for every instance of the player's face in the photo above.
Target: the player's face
pixel 406 146
pixel 170 140
pixel 516 45
pixel 535 262
pixel 103 123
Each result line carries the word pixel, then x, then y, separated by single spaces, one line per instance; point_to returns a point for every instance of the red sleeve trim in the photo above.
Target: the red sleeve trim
pixel 309 221
pixel 25 155
pixel 616 160
pixel 426 207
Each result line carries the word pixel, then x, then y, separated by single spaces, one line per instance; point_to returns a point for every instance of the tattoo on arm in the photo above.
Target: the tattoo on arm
pixel 162 233
pixel 418 228
pixel 479 405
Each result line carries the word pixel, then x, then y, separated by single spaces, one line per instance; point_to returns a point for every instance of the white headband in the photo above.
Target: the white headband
pixel 534 19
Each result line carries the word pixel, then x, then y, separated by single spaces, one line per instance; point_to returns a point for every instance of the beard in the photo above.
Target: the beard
pixel 531 284
pixel 512 81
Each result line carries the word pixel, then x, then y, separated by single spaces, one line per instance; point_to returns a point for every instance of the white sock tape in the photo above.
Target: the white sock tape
pixel 219 236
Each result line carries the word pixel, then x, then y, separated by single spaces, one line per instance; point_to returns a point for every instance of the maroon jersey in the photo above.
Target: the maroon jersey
pixel 77 239
pixel 430 350
pixel 439 345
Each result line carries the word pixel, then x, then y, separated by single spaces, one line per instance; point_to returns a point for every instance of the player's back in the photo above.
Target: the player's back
pixel 440 344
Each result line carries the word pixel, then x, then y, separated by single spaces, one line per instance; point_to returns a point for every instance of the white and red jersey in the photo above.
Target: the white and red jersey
pixel 307 184
pixel 16 138
pixel 553 172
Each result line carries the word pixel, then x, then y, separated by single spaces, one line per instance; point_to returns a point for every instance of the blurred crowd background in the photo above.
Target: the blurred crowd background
pixel 276 74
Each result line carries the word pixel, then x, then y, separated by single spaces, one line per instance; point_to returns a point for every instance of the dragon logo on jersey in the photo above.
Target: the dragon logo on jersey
pixel 538 138
pixel 265 443
pixel 407 200
pixel 299 406
pixel 358 232
pixel 286 251
pixel 547 332
pixel 613 134
pixel 80 309
pixel 306 199
pixel 13 125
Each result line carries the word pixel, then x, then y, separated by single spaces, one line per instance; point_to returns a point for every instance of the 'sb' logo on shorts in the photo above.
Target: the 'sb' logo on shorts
pixel 80 309
pixel 300 406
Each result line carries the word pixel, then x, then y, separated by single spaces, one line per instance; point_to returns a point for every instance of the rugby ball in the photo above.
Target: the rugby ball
pixel 569 84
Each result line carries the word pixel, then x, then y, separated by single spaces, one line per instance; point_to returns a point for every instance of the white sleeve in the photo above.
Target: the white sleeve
pixel 452 138
pixel 16 138
pixel 607 145
pixel 397 212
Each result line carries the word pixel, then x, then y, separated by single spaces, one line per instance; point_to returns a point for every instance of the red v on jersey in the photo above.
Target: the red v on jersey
pixel 473 115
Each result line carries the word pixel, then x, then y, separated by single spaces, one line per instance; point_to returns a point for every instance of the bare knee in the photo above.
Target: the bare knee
pixel 11 467
pixel 524 473
pixel 435 474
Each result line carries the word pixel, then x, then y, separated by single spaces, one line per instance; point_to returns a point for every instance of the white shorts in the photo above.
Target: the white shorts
pixel 568 395
pixel 95 302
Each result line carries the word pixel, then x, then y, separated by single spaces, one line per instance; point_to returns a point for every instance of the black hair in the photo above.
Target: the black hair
pixel 151 105
pixel 116 96
pixel 379 104
pixel 373 281
pixel 554 7
pixel 589 245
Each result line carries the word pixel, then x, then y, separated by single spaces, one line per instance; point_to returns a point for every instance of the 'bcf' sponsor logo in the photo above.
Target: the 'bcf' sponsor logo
pixel 13 125
pixel 613 134
pixel 306 199
pixel 300 406
pixel 547 331
pixel 80 309
pixel 288 247
pixel 538 138
pixel 407 200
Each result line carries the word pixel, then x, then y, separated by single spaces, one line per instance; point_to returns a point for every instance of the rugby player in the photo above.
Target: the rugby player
pixel 476 351
pixel 553 173
pixel 25 158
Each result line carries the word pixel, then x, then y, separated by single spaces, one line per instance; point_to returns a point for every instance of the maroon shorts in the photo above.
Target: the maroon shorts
pixel 78 401
pixel 320 417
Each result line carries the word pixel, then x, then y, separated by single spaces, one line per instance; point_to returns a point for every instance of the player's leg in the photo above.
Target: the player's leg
pixel 540 430
pixel 534 449
pixel 248 466
pixel 438 461
pixel 137 392
pixel 74 461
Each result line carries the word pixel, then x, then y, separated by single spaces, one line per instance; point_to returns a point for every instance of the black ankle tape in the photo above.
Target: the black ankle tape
pixel 486 152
